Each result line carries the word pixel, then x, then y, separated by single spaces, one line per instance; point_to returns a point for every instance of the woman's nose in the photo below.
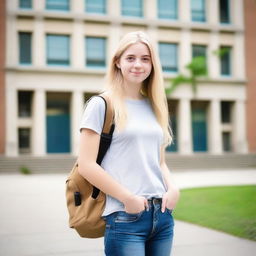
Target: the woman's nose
pixel 137 63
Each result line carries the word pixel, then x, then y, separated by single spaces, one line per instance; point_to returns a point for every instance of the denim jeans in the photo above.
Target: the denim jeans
pixel 148 233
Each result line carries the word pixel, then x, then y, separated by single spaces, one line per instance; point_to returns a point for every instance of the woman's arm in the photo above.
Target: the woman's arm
pixel 94 173
pixel 171 197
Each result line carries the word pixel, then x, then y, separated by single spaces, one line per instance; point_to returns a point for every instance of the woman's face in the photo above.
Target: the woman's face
pixel 135 64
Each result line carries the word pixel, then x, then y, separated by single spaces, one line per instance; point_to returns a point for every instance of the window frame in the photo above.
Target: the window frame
pixel 169 68
pixel 52 62
pixel 88 60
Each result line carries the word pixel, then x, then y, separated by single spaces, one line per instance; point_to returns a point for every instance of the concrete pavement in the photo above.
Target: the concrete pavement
pixel 33 218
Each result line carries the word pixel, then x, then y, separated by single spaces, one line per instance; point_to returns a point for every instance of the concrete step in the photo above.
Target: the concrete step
pixel 63 163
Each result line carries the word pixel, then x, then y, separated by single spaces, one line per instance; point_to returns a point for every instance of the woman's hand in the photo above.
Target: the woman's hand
pixel 170 199
pixel 135 204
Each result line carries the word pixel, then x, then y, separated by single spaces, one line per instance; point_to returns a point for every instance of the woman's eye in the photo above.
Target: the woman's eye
pixel 146 59
pixel 130 58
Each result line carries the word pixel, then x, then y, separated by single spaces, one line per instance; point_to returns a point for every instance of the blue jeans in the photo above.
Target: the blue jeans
pixel 148 233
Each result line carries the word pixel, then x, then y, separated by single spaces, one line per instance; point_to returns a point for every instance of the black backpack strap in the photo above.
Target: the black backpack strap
pixel 106 136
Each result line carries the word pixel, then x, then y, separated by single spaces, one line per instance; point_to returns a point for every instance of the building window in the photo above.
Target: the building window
pixel 168 57
pixel 95 6
pixel 58 50
pixel 25 103
pixel 226 141
pixel 59 5
pixel 224 11
pixel 25 4
pixel 198 10
pixel 226 107
pixel 167 9
pixel 24 140
pixel 132 8
pixel 95 52
pixel 25 48
pixel 225 60
pixel 198 51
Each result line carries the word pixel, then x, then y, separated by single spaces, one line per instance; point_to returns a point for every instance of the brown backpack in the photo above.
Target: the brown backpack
pixel 85 202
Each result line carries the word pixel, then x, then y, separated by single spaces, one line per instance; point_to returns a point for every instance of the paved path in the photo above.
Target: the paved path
pixel 33 219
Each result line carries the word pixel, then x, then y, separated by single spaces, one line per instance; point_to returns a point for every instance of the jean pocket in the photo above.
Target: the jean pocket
pixel 124 217
pixel 169 211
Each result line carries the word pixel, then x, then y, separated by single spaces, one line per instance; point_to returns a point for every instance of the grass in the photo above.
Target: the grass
pixel 231 209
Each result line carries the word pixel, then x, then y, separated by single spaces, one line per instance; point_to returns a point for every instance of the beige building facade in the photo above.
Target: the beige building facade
pixel 41 98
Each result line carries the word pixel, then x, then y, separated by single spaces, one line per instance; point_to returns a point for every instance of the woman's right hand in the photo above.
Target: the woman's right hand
pixel 135 204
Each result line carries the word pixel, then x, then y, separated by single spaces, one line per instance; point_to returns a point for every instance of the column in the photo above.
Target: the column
pixel 78 45
pixel 113 39
pixel 213 12
pixel 114 8
pixel 214 126
pixel 239 127
pixel 77 6
pixel 76 115
pixel 184 11
pixel 39 123
pixel 38 41
pixel 150 9
pixel 38 5
pixel 213 60
pixel 184 127
pixel 11 122
pixel 237 13
pixel 239 56
pixel 184 51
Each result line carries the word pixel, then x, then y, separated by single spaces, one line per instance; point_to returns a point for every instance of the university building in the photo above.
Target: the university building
pixel 57 52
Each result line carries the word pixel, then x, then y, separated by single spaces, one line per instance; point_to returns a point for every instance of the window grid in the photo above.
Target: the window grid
pixel 167 9
pixel 95 52
pixel 25 55
pixel 198 10
pixel 25 4
pixel 226 61
pixel 95 6
pixel 168 57
pixel 58 50
pixel 132 8
pixel 60 5
pixel 224 9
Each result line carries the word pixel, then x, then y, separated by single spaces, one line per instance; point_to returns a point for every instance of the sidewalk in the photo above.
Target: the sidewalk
pixel 33 218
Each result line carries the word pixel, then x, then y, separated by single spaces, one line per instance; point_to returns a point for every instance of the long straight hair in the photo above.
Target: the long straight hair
pixel 152 88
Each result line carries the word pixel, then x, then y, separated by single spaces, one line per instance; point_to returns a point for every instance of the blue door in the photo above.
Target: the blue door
pixel 58 133
pixel 199 126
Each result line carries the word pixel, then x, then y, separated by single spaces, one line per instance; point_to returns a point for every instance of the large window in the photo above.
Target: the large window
pixel 25 4
pixel 225 61
pixel 198 10
pixel 58 50
pixel 198 50
pixel 59 5
pixel 95 6
pixel 224 11
pixel 132 8
pixel 95 52
pixel 167 9
pixel 25 103
pixel 25 48
pixel 168 57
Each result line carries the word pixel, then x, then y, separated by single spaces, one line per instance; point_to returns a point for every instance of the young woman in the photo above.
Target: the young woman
pixel 140 190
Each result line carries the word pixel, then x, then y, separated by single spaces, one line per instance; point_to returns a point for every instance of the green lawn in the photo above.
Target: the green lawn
pixel 231 209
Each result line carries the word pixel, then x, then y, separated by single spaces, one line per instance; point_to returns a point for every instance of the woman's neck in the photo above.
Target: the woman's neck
pixel 132 91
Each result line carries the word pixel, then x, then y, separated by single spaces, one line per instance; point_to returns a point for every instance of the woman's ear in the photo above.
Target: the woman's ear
pixel 118 64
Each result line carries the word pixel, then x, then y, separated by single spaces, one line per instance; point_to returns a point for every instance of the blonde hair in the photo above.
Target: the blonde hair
pixel 153 87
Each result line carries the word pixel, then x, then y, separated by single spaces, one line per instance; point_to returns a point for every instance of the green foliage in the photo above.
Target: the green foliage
pixel 25 170
pixel 230 209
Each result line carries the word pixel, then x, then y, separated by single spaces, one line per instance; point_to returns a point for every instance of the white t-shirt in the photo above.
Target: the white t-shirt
pixel 133 158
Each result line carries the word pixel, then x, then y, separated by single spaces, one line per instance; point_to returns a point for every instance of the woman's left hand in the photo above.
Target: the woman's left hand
pixel 170 199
